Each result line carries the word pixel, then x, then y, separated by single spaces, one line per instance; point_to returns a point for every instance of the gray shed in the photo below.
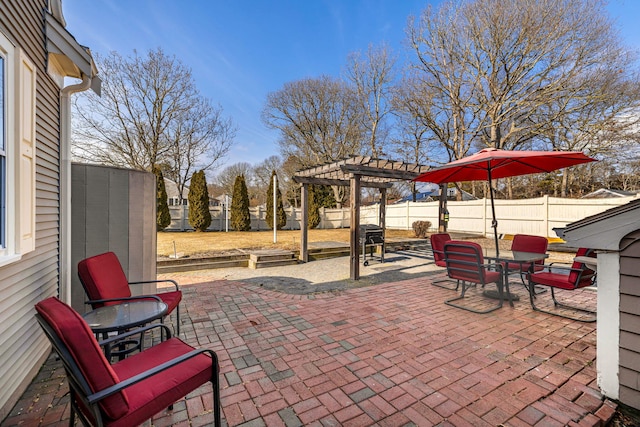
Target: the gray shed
pixel 615 235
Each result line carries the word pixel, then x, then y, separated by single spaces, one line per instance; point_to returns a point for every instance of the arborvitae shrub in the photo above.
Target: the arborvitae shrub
pixel 163 217
pixel 199 215
pixel 240 218
pixel 282 216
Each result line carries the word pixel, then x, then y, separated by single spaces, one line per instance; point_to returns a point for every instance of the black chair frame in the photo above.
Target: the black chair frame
pixel 80 390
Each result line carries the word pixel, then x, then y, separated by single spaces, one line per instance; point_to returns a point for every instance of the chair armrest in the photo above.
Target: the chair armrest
pixel 157 281
pixel 136 331
pixel 568 269
pixel 131 298
pixel 97 396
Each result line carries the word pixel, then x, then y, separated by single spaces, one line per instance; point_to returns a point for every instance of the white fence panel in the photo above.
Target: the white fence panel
pixel 525 216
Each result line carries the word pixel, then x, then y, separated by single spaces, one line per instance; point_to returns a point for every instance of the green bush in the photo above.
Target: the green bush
pixel 199 215
pixel 282 216
pixel 163 217
pixel 239 217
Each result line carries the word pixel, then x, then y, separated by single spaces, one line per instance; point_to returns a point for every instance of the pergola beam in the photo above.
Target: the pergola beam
pixel 340 182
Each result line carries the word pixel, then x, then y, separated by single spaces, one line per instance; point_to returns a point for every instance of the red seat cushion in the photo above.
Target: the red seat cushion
pixel 437 246
pixel 172 299
pixel 465 262
pixel 159 391
pixel 74 332
pixel 103 278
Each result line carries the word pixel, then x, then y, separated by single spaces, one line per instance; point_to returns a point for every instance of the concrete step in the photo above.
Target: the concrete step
pixel 328 253
pixel 201 265
pixel 264 259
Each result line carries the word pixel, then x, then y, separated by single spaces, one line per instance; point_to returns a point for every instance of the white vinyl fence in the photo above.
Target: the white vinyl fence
pixel 329 218
pixel 525 216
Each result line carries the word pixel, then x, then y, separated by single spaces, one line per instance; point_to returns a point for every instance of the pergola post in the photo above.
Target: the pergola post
pixel 304 222
pixel 355 226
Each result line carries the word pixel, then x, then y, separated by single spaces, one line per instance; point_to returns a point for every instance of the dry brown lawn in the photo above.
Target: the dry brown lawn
pixel 193 244
pixel 216 242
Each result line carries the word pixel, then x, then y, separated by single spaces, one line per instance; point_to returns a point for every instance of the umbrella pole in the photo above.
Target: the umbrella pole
pixel 494 222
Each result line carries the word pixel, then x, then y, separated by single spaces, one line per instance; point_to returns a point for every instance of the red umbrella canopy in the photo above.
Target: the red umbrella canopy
pixel 492 163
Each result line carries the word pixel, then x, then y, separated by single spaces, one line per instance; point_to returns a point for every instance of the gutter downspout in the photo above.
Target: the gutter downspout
pixel 65 185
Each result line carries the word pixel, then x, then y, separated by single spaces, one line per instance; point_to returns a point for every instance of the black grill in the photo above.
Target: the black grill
pixel 371 236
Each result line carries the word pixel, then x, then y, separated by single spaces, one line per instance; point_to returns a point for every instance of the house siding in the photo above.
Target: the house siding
pixel 23 347
pixel 629 372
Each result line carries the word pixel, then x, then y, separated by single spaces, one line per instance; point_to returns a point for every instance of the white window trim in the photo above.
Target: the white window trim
pixel 20 90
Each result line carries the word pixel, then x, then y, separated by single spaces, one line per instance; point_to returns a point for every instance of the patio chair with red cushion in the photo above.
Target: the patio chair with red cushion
pixel 527 243
pixel 105 283
pixel 568 278
pixel 437 247
pixel 465 263
pixel 130 391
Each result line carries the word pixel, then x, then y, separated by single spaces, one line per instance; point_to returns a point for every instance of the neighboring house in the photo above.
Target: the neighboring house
pixel 615 235
pixel 36 54
pixel 173 195
pixel 606 193
pixel 432 195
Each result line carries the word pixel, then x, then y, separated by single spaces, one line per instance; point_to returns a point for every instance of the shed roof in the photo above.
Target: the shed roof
pixel 606 229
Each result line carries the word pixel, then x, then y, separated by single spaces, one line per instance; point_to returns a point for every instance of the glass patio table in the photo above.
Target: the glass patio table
pixel 122 317
pixel 518 257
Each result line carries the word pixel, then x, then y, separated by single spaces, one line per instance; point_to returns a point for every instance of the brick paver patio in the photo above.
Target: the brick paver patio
pixel 392 355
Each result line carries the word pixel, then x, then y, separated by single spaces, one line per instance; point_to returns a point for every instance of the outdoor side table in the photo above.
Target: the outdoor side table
pixel 515 257
pixel 122 317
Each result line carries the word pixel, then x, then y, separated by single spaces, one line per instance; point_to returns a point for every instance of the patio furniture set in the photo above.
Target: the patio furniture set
pixel 466 264
pixel 143 381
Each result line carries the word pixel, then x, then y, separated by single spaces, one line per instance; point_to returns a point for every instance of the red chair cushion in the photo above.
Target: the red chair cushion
pixel 573 276
pixel 437 245
pixel 154 394
pixel 527 243
pixel 172 299
pixel 103 278
pixel 465 253
pixel 74 332
pixel 557 280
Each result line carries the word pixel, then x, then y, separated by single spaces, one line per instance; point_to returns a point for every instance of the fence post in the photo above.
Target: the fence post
pixel 545 222
pixel 484 217
pixel 408 218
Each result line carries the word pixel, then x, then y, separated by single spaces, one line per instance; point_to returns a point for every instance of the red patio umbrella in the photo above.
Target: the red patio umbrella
pixel 491 163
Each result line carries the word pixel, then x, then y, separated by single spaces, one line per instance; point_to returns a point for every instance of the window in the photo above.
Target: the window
pixel 17 152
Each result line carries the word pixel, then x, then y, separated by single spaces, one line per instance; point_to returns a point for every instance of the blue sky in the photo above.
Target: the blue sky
pixel 240 50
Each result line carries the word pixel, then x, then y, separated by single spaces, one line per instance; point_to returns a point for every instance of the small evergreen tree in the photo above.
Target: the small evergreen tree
pixel 199 215
pixel 314 207
pixel 163 217
pixel 282 216
pixel 240 218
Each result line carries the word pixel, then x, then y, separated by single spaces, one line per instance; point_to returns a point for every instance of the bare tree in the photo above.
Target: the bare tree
pixel 319 119
pixel 372 75
pixel 515 73
pixel 150 113
pixel 201 138
pixel 226 178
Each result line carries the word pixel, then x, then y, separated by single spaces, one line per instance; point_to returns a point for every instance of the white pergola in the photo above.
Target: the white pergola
pixel 355 172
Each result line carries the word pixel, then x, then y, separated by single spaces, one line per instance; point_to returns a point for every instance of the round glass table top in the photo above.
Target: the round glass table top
pixel 124 316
